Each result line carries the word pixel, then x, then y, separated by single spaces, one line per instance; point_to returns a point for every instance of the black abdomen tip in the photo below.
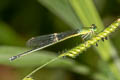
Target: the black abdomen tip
pixel 12 58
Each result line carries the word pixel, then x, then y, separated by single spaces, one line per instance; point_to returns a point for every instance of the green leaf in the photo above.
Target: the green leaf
pixel 62 9
pixel 37 59
pixel 9 36
pixel 88 15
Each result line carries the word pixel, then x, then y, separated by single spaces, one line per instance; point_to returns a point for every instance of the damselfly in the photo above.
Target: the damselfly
pixel 44 41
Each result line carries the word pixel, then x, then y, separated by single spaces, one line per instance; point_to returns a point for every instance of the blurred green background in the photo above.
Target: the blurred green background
pixel 23 19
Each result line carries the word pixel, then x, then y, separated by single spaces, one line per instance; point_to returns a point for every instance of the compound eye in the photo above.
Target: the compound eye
pixel 94 26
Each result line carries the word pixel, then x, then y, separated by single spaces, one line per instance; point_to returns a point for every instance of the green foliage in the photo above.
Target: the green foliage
pixel 67 14
pixel 23 19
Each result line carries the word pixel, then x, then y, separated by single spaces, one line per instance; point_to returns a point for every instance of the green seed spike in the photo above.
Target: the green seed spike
pixel 82 47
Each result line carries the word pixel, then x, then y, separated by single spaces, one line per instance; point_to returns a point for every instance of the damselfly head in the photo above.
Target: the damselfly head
pixel 94 27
